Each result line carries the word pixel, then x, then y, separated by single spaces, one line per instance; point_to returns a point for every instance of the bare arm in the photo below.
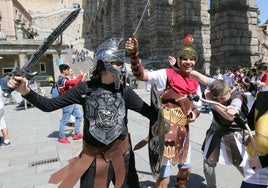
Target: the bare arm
pixel 228 113
pixel 199 77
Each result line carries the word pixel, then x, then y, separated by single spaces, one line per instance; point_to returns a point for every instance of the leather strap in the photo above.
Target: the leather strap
pixel 58 176
pixel 119 168
pixel 102 168
pixel 232 151
pixel 136 67
pixel 77 166
pixel 76 170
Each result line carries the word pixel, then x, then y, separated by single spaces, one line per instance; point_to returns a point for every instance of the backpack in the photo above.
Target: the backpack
pixel 54 90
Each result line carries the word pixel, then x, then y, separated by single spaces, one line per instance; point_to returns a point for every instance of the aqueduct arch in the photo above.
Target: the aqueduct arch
pixel 225 34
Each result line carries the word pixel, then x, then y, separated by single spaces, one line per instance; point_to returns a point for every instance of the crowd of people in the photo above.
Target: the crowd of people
pixel 107 154
pixel 244 78
pixel 228 138
pixel 78 56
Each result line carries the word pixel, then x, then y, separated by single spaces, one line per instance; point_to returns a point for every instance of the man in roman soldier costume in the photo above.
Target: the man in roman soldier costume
pixel 174 85
pixel 107 154
pixel 226 139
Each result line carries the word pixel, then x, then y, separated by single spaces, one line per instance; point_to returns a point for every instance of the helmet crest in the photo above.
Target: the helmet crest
pixel 187 51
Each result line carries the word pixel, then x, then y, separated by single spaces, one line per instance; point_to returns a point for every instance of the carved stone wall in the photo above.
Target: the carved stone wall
pixel 192 17
pixel 162 29
pixel 225 35
pixel 233 33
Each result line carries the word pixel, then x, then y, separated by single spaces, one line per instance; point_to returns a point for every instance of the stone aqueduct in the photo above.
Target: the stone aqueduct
pixel 224 32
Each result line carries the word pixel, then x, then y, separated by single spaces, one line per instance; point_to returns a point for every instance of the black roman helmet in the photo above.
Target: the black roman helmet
pixel 108 53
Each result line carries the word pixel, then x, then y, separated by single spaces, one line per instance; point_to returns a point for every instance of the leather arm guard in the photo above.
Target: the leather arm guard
pixel 136 66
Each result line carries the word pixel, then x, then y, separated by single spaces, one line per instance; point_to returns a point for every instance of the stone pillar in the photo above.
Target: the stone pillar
pixel 116 23
pixel 191 17
pixel 233 33
pixel 126 17
pixel 23 58
pixel 160 30
pixel 107 21
pixel 143 32
pixel 91 7
pixel 19 31
pixel 264 44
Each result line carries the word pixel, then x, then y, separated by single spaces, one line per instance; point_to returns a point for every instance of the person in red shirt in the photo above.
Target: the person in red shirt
pixel 65 84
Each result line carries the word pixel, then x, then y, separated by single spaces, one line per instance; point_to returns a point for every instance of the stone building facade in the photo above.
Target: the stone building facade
pixel 233 33
pixel 225 34
pixel 224 31
pixel 16 22
pixel 18 42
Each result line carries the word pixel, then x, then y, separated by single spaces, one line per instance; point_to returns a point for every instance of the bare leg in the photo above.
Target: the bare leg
pixel 162 182
pixel 5 134
pixel 183 177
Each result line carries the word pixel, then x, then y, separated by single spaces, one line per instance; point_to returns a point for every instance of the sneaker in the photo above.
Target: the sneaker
pixel 64 140
pixel 5 144
pixel 77 136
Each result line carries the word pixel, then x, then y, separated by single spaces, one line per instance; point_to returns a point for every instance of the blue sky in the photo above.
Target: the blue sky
pixel 262 4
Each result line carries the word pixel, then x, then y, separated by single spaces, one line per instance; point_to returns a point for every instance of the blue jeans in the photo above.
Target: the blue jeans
pixel 66 114
pixel 249 185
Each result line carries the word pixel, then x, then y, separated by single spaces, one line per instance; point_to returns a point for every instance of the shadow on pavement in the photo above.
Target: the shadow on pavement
pixel 195 181
pixel 146 184
pixel 53 134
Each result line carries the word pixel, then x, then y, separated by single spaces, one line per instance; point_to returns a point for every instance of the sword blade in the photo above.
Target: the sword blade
pixel 51 38
pixel 142 16
pixel 25 70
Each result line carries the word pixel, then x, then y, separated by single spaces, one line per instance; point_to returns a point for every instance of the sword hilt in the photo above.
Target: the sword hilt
pixel 18 72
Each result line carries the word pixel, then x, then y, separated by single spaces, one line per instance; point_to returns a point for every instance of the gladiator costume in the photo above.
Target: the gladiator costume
pixel 228 132
pixel 107 154
pixel 176 106
pixel 105 113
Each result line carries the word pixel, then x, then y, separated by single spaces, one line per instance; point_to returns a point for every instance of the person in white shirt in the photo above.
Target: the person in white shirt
pixel 229 77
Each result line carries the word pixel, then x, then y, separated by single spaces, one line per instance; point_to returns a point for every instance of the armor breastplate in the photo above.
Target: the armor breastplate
pixel 172 99
pixel 105 113
pixel 175 109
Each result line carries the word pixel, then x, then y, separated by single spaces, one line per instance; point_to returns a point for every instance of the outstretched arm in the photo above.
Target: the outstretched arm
pixel 72 96
pixel 199 77
pixel 131 47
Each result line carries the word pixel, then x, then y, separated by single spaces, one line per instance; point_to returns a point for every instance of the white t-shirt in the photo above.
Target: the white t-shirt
pixel 160 79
